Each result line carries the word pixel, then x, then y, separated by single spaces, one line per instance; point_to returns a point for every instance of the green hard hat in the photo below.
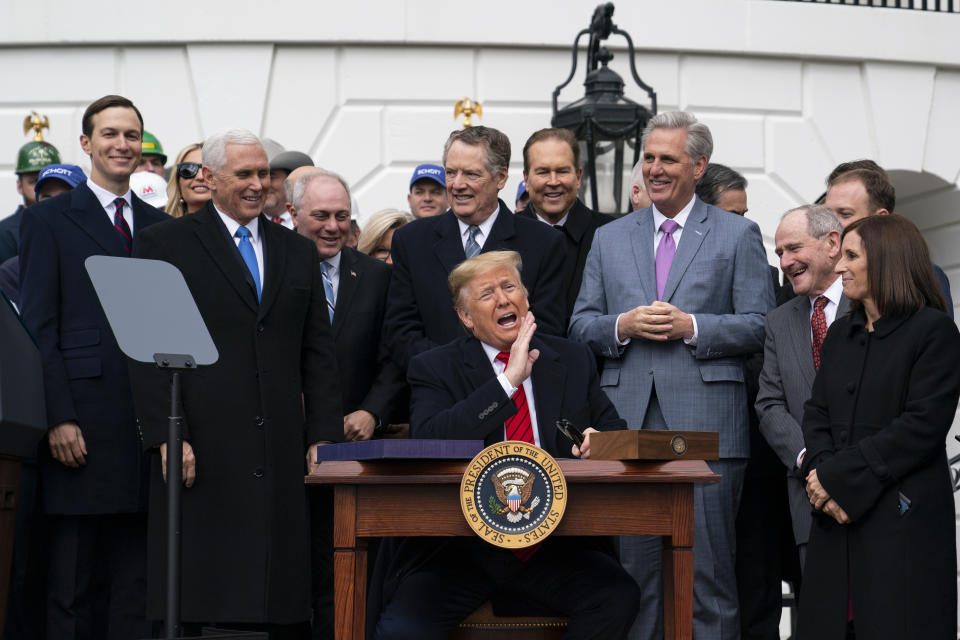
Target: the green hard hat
pixel 34 156
pixel 152 147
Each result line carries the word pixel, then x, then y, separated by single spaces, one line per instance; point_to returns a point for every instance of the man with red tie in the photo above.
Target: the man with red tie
pixel 91 469
pixel 505 382
pixel 808 243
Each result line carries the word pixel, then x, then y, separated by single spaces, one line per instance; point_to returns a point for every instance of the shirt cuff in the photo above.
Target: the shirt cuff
pixel 692 341
pixel 505 383
pixel 800 457
pixel 616 337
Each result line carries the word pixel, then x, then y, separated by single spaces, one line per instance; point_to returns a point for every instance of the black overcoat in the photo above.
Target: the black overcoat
pixel 84 372
pixel 245 538
pixel 875 429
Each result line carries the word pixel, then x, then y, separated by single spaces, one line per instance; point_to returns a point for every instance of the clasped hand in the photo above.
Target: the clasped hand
pixel 660 322
pixel 822 501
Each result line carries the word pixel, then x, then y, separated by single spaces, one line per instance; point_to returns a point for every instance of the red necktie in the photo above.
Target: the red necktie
pixel 121 224
pixel 277 219
pixel 518 427
pixel 818 323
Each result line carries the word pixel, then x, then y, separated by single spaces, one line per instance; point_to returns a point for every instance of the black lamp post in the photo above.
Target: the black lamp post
pixel 604 119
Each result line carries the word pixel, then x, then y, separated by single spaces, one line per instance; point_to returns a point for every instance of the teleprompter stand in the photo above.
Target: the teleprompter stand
pixel 155 320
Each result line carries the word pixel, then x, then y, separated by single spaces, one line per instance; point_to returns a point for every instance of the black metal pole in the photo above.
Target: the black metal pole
pixel 174 473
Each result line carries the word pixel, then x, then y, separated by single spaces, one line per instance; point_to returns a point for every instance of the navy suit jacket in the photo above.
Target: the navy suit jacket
pixel 455 394
pixel 84 371
pixel 419 312
pixel 369 379
pixel 578 231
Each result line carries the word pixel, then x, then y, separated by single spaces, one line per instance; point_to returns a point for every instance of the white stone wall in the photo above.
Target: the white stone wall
pixel 368 87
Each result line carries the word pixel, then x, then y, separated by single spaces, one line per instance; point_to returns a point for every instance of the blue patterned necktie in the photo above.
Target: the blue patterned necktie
pixel 249 256
pixel 472 248
pixel 328 288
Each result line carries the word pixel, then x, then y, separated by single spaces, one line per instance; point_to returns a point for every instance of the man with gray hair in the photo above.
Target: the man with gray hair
pixel 808 243
pixel 673 300
pixel 275 386
pixel 426 250
pixel 371 386
pixel 638 195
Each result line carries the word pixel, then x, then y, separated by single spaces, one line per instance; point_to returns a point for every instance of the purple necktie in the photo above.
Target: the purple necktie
pixel 665 252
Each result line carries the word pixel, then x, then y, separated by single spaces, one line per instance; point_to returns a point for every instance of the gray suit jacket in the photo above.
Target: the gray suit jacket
pixel 785 383
pixel 719 275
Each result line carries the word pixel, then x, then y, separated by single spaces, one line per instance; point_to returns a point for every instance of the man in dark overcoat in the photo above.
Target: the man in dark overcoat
pixel 91 481
pixel 249 417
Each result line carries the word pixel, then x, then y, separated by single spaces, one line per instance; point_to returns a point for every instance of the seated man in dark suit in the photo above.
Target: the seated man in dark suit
pixel 426 251
pixel 464 390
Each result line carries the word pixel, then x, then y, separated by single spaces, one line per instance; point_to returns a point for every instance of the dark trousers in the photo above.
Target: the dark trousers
pixel 766 555
pixel 96 585
pixel 587 585
pixel 321 561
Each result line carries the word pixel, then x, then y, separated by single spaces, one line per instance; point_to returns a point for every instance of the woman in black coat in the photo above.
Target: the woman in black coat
pixel 881 562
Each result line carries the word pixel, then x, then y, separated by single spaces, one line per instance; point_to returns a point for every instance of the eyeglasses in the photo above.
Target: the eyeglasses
pixel 187 170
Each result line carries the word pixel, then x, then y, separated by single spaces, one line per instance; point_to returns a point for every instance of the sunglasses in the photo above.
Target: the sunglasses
pixel 187 170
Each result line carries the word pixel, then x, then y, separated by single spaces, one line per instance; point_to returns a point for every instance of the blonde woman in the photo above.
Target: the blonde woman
pixel 186 189
pixel 377 234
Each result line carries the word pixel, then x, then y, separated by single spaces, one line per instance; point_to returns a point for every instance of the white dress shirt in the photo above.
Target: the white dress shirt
pixel 658 219
pixel 106 199
pixel 485 227
pixel 560 223
pixel 499 368
pixel 334 273
pixel 254 229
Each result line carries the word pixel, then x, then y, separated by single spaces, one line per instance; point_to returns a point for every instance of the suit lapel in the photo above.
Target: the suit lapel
pixel 642 244
pixel 577 221
pixel 549 376
pixel 274 263
pixel 476 365
pixel 502 230
pixel 212 236
pixel 692 237
pixel 350 274
pixel 447 247
pixel 800 336
pixel 87 213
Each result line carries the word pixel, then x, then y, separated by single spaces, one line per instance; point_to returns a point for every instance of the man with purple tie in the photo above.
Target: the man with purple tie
pixel 673 299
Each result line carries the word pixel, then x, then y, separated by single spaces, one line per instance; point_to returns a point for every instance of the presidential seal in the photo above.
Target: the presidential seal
pixel 678 444
pixel 513 494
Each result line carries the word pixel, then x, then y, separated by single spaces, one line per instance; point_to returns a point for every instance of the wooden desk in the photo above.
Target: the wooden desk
pixel 604 498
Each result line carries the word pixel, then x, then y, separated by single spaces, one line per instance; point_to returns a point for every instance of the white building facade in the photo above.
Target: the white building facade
pixel 367 87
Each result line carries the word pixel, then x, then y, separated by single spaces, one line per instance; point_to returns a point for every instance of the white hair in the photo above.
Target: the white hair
pixel 214 154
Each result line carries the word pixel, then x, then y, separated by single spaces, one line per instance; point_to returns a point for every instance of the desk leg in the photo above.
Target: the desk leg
pixel 350 589
pixel 678 568
pixel 349 567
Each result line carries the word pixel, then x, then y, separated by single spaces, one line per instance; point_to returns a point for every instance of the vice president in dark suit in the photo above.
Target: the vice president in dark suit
pixel 249 417
pixel 505 383
pixel 91 472
pixel 425 251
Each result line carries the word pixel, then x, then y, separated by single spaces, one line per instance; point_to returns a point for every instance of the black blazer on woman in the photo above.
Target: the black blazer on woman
pixel 875 430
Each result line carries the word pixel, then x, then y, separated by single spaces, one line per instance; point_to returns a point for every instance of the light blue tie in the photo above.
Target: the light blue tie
pixel 472 248
pixel 249 256
pixel 328 288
